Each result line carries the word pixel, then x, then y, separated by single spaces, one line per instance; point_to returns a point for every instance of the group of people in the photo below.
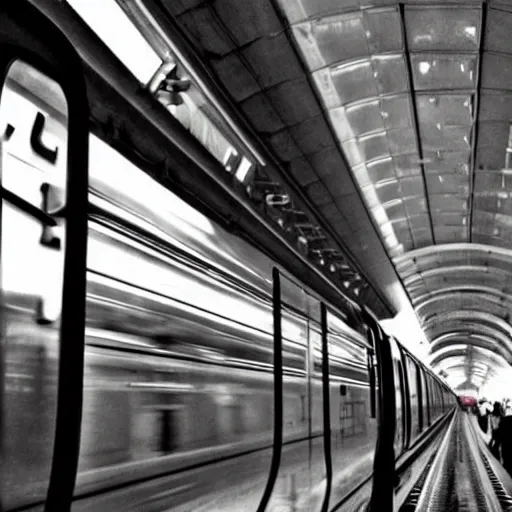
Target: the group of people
pixel 496 420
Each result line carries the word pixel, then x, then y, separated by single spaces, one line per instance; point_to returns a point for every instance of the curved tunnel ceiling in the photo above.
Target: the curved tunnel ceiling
pixel 475 339
pixel 415 98
pixel 415 108
pixel 462 293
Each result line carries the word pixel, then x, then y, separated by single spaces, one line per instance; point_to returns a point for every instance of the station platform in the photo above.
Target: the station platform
pixel 464 475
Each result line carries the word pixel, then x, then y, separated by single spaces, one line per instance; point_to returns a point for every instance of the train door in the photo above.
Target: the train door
pixel 43 169
pixel 320 409
pixel 298 475
pixel 353 413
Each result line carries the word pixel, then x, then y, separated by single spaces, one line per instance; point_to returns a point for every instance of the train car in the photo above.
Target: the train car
pixel 213 378
pixel 467 402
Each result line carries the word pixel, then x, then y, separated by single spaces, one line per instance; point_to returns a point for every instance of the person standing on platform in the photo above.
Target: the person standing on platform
pixel 506 438
pixel 496 417
pixel 483 415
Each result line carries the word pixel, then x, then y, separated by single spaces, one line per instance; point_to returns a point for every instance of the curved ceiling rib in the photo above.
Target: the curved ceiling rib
pixel 463 300
pixel 480 271
pixel 456 248
pixel 462 352
pixel 471 329
pixel 463 338
pixel 463 316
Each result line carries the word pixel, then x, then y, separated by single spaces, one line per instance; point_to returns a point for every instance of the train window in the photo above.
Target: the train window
pixel 438 398
pixel 435 395
pixel 425 399
pixel 441 401
pixel 403 416
pixel 293 295
pixel 414 399
pixel 421 409
pixel 33 117
pixel 400 423
pixel 433 398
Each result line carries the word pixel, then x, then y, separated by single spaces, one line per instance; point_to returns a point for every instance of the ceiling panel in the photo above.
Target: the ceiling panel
pixel 436 137
pixel 310 135
pixel 390 74
pixel 495 106
pixel 319 39
pixel 499 25
pixel 384 30
pixel 253 19
pixel 444 109
pixel 273 61
pixel 501 182
pixel 434 71
pixel 412 186
pixel 443 27
pixel 496 71
pixel 395 209
pixel 450 219
pixel 448 203
pixel 372 147
pixel 446 234
pixel 301 10
pixel 456 162
pixel 283 98
pixel 346 83
pixel 439 183
pixel 416 206
pixel 360 119
pixel 388 191
pixel 402 141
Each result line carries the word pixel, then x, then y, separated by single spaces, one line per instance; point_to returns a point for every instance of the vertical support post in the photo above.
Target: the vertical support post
pixel 384 462
pixel 278 391
pixel 326 397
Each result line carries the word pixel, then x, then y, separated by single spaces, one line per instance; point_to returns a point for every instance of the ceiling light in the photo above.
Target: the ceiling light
pixel 424 67
pixel 125 41
pixel 470 31
pixel 277 199
pixel 245 171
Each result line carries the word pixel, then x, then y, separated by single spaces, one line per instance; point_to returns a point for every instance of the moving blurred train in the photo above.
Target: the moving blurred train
pixel 467 402
pixel 213 378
